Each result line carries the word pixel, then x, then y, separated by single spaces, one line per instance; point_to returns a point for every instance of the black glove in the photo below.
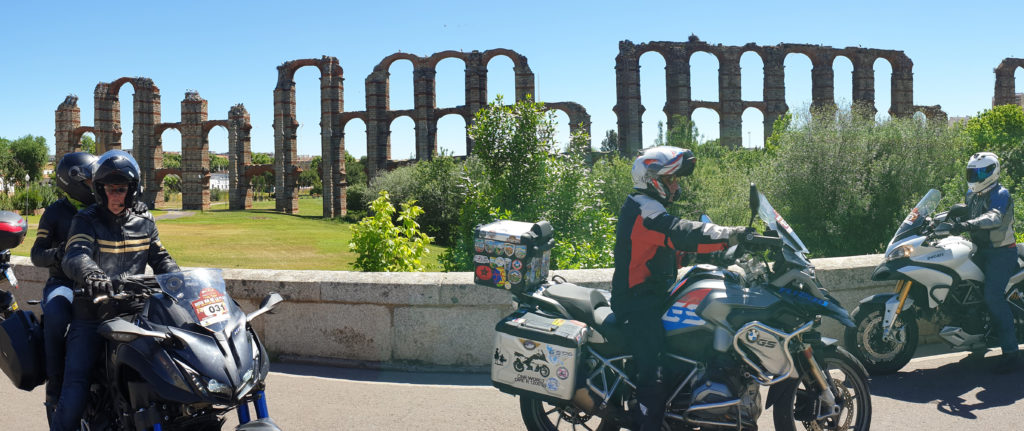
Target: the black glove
pixel 97 282
pixel 140 207
pixel 58 252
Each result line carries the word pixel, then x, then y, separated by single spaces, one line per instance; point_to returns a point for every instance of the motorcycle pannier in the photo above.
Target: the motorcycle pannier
pixel 536 355
pixel 512 255
pixel 12 230
pixel 21 350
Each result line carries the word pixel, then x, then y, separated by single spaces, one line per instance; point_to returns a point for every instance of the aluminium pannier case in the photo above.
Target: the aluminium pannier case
pixel 537 355
pixel 21 350
pixel 512 255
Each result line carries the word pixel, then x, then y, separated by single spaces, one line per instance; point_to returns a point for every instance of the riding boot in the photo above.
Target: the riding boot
pixel 651 404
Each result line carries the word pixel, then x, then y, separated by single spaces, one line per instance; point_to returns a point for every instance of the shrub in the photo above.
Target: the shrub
pixel 845 182
pixel 34 196
pixel 382 246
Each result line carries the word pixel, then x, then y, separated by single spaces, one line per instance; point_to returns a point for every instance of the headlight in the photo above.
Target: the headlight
pixel 900 252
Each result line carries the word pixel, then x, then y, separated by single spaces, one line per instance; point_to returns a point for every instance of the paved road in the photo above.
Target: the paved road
pixel 943 392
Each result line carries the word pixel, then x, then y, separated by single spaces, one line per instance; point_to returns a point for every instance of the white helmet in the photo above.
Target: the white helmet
pixel 982 171
pixel 657 161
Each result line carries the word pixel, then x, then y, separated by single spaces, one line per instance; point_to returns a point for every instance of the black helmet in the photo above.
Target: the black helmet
pixel 74 171
pixel 116 167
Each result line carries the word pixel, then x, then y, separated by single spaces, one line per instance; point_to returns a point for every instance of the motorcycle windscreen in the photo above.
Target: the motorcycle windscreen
pixel 202 295
pixel 776 223
pixel 924 208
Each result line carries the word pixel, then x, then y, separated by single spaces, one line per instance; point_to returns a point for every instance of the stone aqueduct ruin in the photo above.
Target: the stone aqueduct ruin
pixel 195 126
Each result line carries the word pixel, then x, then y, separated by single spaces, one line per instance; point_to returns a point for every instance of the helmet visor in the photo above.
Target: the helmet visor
pixel 975 175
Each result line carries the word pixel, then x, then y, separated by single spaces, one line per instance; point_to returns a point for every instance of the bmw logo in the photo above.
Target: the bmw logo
pixel 752 335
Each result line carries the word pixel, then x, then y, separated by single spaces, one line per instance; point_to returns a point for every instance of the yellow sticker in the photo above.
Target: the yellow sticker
pixel 558 322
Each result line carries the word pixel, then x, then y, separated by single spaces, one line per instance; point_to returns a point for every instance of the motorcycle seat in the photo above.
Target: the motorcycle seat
pixel 579 301
pixel 608 325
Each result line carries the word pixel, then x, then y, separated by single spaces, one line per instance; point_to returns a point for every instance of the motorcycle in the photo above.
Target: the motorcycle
pixel 727 334
pixel 179 354
pixel 936 281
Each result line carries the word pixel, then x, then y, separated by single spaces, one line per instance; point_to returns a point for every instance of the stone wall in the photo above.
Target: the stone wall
pixel 419 318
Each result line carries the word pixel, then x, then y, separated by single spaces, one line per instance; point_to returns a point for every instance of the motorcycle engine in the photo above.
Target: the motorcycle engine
pixel 707 393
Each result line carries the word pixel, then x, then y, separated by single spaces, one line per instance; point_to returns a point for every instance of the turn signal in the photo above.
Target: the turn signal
pixel 900 252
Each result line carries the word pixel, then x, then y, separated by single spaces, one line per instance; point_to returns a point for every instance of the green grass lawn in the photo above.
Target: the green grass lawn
pixel 258 238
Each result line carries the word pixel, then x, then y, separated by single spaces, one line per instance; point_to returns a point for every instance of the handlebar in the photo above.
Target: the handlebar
pixel 126 288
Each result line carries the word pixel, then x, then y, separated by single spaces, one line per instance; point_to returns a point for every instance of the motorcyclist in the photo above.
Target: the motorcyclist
pixel 74 177
pixel 647 242
pixel 990 225
pixel 106 241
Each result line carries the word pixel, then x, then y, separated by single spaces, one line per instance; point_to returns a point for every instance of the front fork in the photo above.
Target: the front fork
pixel 893 307
pixel 259 400
pixel 827 397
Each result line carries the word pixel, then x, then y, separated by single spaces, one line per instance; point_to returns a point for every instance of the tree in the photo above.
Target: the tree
pixel 262 159
pixel 311 177
pixel 218 163
pixel 88 144
pixel 355 169
pixel 610 143
pixel 683 134
pixel 172 161
pixel 1001 131
pixel 659 139
pixel 28 154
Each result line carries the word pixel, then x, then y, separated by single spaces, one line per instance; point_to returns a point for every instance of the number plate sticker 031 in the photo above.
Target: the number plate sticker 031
pixel 210 307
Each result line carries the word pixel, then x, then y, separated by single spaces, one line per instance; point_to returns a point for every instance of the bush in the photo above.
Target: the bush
pixel 217 195
pixel 382 246
pixel 433 184
pixel 844 182
pixel 355 198
pixel 34 196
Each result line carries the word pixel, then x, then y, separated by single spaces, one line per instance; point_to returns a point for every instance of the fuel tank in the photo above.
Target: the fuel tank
pixel 709 299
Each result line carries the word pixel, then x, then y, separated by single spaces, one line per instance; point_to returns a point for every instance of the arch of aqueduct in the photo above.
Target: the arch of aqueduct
pixel 195 126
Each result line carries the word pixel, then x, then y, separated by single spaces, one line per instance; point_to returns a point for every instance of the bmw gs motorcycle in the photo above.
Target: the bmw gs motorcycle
pixel 936 280
pixel 727 335
pixel 179 355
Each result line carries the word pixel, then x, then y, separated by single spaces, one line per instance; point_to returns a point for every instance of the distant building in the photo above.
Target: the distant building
pixel 219 181
pixel 958 120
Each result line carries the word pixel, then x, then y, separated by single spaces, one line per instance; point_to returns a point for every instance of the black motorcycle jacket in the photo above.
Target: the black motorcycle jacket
pixel 990 216
pixel 48 250
pixel 646 240
pixel 119 245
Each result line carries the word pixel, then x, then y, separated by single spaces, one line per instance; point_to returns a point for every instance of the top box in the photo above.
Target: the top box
pixel 512 255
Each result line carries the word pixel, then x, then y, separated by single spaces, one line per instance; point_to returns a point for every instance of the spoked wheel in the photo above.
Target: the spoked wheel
pixel 800 406
pixel 880 355
pixel 541 416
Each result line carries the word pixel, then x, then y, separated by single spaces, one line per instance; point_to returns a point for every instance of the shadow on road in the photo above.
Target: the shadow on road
pixel 950 383
pixel 380 376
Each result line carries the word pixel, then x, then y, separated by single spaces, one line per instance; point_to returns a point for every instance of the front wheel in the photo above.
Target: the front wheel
pixel 541 416
pixel 878 355
pixel 800 403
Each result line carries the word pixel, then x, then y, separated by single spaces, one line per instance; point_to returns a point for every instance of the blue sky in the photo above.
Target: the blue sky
pixel 229 51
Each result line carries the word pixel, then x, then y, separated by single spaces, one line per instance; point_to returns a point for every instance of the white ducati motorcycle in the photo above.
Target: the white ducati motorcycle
pixel 937 281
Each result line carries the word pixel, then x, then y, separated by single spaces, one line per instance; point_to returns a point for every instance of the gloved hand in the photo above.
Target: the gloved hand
pixel 959 227
pixel 736 233
pixel 97 282
pixel 140 207
pixel 58 251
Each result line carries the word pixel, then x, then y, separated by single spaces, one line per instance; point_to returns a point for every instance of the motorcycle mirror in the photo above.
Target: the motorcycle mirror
pixel 266 306
pixel 125 332
pixel 705 219
pixel 755 202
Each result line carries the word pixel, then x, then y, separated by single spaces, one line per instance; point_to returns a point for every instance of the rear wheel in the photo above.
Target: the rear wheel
pixel 541 416
pixel 800 406
pixel 881 356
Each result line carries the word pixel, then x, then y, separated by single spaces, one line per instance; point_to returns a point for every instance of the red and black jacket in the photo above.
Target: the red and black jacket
pixel 647 240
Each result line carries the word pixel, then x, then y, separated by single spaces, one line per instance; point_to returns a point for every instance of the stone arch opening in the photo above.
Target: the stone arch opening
pixel 704 85
pixel 1018 81
pixel 501 79
pixel 842 84
pixel 87 135
pixel 170 186
pixel 708 124
pixel 400 85
pixel 451 136
pixel 127 117
pixel 166 156
pixel 218 163
pixel 753 128
pixel 798 81
pixel 402 139
pixel 450 83
pixel 307 111
pixel 653 96
pixel 920 117
pixel 355 137
pixel 560 139
pixel 751 76
pixel 883 88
